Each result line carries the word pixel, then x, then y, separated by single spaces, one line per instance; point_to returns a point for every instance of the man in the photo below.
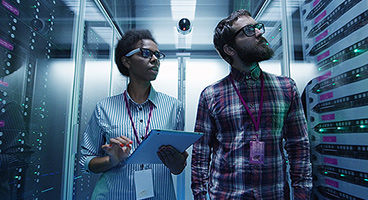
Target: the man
pixel 120 123
pixel 245 117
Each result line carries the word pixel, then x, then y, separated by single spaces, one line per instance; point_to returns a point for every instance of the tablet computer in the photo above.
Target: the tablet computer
pixel 146 152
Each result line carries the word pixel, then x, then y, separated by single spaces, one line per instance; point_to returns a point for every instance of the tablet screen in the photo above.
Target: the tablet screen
pixel 146 152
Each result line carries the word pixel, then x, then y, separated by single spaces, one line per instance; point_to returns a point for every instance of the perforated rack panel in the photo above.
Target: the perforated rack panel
pixel 335 39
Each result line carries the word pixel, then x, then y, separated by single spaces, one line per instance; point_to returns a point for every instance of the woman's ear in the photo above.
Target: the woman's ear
pixel 229 50
pixel 125 62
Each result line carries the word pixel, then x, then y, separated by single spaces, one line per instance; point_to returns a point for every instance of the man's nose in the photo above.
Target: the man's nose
pixel 258 32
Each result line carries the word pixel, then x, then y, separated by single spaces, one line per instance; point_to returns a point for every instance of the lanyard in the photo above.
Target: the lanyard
pixel 131 118
pixel 256 123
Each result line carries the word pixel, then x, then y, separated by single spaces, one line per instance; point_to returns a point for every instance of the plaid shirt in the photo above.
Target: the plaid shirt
pixel 220 159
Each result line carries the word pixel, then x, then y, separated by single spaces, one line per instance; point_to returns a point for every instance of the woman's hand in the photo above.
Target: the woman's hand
pixel 118 149
pixel 173 159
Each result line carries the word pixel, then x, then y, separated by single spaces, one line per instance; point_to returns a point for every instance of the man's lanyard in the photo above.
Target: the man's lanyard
pixel 131 118
pixel 256 123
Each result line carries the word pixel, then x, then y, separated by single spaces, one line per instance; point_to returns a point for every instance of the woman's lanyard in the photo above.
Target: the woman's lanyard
pixel 256 123
pixel 131 118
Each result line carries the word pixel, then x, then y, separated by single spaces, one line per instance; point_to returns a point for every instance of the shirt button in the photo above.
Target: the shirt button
pixel 140 108
pixel 141 120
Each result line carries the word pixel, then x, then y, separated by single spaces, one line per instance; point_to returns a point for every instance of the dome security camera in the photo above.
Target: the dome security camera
pixel 184 26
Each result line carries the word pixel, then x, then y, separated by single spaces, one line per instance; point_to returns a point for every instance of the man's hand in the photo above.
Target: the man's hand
pixel 173 159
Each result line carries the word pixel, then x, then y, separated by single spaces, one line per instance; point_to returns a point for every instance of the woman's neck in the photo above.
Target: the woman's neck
pixel 139 92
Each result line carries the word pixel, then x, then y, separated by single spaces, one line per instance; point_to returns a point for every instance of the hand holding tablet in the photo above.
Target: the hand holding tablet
pixel 146 152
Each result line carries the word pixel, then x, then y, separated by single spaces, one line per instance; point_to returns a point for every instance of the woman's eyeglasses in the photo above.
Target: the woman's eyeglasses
pixel 250 30
pixel 146 53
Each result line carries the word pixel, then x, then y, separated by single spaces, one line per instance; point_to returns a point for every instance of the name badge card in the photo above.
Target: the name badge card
pixel 143 184
pixel 256 152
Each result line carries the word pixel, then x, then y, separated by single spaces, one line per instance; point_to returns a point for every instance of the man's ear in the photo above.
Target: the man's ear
pixel 125 62
pixel 229 50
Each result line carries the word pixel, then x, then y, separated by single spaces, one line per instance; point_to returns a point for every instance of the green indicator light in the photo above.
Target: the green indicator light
pixel 319 69
pixel 19 140
pixel 15 176
pixel 273 37
pixel 362 126
pixel 326 172
pixel 339 128
pixel 366 179
pixel 279 29
pixel 333 83
pixel 318 90
pixel 335 60
pixel 358 75
pixel 321 130
pixel 342 175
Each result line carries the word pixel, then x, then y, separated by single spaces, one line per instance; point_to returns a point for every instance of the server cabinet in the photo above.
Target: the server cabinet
pixel 36 79
pixel 335 39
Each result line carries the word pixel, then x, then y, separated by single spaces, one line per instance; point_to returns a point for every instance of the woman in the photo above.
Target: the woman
pixel 119 124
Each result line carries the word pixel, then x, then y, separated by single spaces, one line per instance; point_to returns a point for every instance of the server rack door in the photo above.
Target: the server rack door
pixel 36 73
pixel 335 40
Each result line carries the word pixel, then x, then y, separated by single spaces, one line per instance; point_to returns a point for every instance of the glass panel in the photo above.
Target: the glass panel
pixel 95 84
pixel 36 79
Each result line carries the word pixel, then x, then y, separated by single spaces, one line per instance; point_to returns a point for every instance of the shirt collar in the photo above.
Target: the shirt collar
pixel 242 76
pixel 152 97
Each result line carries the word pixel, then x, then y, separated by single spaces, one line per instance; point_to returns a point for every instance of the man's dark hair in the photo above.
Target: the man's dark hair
pixel 126 44
pixel 224 32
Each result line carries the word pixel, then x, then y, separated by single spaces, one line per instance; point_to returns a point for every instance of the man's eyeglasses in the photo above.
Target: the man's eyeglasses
pixel 250 30
pixel 146 53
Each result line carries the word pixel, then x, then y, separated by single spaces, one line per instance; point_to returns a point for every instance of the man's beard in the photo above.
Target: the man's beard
pixel 257 53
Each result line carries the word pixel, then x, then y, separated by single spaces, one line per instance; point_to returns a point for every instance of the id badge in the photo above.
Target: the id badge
pixel 256 152
pixel 143 184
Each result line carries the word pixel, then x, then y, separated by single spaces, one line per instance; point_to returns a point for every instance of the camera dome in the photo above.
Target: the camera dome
pixel 184 26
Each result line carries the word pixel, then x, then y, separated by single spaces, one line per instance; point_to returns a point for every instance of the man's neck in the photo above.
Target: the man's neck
pixel 139 92
pixel 245 67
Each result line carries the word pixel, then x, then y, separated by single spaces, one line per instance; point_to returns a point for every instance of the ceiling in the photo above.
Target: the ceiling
pixel 161 17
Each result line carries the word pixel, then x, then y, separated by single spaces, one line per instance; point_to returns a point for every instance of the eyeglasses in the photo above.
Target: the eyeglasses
pixel 250 30
pixel 146 53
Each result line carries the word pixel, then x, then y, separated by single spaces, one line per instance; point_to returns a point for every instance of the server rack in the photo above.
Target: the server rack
pixel 335 39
